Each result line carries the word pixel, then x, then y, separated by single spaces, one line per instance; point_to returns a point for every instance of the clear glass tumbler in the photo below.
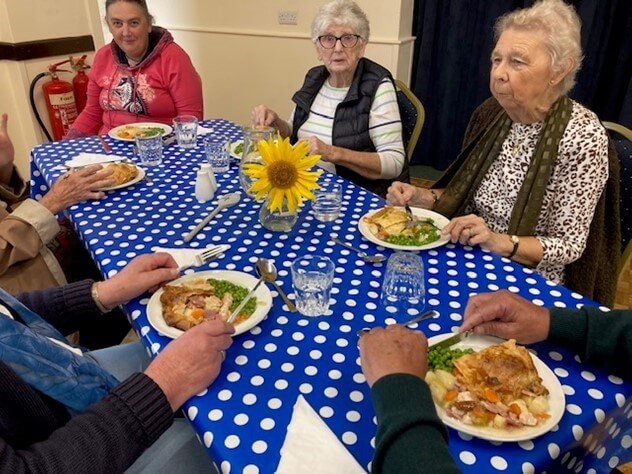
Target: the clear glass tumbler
pixel 185 127
pixel 217 153
pixel 150 149
pixel 326 206
pixel 403 288
pixel 312 280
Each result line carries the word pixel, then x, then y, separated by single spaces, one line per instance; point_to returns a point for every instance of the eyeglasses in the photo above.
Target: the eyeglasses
pixel 347 41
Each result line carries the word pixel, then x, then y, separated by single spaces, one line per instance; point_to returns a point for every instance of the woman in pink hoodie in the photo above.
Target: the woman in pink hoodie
pixel 141 76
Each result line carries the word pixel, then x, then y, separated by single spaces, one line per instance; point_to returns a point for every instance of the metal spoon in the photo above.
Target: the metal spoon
pixel 428 314
pixel 363 255
pixel 267 271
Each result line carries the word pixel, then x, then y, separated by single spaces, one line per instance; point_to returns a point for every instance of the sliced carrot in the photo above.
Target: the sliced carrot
pixel 197 313
pixel 515 409
pixel 480 416
pixel 543 416
pixel 450 395
pixel 491 396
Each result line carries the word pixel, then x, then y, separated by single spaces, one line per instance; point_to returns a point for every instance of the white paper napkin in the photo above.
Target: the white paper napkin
pixel 85 159
pixel 185 258
pixel 204 130
pixel 310 447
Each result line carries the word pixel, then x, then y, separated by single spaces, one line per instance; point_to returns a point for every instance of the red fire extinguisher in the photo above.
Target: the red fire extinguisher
pixel 80 81
pixel 60 101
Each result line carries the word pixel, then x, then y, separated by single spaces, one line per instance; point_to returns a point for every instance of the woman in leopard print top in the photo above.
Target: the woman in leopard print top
pixel 533 64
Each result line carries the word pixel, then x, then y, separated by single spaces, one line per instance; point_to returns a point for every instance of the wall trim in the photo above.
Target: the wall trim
pixel 273 34
pixel 46 48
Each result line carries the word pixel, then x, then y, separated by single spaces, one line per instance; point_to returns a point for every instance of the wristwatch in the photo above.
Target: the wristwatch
pixel 515 240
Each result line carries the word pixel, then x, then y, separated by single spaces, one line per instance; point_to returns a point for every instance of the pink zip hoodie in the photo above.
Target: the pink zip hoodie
pixel 163 85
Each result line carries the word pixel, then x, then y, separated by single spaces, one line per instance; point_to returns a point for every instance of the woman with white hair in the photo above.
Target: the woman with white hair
pixel 347 108
pixel 529 182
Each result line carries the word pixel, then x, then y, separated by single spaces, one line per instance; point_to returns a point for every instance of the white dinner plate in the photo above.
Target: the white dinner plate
pixel 263 295
pixel 113 133
pixel 557 400
pixel 439 220
pixel 233 145
pixel 140 174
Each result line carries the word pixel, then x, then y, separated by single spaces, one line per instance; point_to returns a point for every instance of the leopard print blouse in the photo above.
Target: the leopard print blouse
pixel 577 181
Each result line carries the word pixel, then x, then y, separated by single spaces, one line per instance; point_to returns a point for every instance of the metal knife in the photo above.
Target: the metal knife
pixel 449 342
pixel 235 313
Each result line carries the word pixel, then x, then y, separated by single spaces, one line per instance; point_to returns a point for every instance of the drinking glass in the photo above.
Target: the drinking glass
pixel 252 135
pixel 150 149
pixel 326 206
pixel 186 127
pixel 403 290
pixel 312 279
pixel 217 153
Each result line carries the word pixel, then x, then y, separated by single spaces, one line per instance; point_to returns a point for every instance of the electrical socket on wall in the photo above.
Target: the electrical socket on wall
pixel 287 17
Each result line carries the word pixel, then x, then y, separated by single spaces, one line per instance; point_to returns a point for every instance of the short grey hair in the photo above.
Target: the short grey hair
pixel 341 12
pixel 561 27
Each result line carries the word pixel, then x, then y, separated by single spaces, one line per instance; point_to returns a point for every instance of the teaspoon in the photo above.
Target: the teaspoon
pixel 267 271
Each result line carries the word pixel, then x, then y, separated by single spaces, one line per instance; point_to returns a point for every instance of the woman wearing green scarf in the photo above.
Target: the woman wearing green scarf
pixel 530 179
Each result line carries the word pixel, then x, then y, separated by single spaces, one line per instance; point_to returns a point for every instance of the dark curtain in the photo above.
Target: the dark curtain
pixel 454 40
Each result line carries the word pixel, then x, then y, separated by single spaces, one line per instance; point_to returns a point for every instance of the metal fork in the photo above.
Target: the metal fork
pixel 413 220
pixel 210 254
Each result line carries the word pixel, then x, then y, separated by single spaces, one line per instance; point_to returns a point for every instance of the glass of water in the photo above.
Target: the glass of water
pixel 185 127
pixel 150 149
pixel 217 153
pixel 326 206
pixel 403 289
pixel 312 279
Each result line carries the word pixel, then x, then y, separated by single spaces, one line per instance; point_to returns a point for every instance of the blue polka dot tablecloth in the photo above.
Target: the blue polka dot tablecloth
pixel 242 418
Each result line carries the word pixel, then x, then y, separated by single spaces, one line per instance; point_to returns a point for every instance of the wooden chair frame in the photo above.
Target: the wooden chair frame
pixel 421 117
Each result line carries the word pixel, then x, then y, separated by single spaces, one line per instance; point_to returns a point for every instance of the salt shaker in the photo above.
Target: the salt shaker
pixel 209 170
pixel 204 190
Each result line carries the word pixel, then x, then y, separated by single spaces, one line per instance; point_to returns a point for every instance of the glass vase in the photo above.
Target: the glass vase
pixel 252 135
pixel 278 220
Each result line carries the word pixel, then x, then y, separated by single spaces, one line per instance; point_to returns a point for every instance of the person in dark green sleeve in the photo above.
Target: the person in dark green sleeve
pixel 602 338
pixel 410 437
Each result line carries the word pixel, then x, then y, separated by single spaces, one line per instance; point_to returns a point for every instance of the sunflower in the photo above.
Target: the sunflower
pixel 284 173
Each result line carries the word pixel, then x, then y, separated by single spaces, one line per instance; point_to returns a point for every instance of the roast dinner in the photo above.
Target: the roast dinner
pixel 497 387
pixel 187 305
pixel 130 132
pixel 393 225
pixel 122 172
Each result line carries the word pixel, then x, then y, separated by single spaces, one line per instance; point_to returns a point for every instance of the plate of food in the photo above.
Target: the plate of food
pixel 494 389
pixel 128 133
pixel 391 227
pixel 236 149
pixel 190 300
pixel 125 175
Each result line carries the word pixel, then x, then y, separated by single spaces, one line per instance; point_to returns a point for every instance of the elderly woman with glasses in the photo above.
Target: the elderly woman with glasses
pixel 346 109
pixel 535 181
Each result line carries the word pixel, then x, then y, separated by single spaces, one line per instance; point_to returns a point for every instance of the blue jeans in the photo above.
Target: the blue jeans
pixel 178 446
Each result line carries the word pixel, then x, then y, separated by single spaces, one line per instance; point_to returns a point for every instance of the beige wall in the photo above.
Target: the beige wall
pixel 243 55
pixel 28 20
pixel 246 58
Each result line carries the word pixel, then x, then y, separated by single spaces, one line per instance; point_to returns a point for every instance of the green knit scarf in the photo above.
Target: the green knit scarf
pixel 459 192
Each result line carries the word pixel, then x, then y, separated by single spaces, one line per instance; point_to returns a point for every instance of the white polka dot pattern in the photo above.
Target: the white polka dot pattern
pixel 242 417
